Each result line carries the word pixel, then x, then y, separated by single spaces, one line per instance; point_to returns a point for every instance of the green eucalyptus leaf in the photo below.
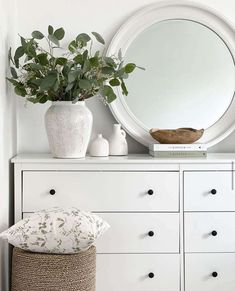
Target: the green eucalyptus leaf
pixel 53 39
pixel 42 59
pixel 50 97
pixel 30 50
pixel 37 34
pixel 33 100
pixel 35 66
pixel 23 41
pixel 56 85
pixel 110 62
pixel 125 76
pixel 72 75
pixel 65 71
pixel 114 82
pixel 13 82
pixel 120 66
pixel 86 66
pixel 36 82
pixel 73 46
pixel 59 33
pixel 98 37
pixel 108 93
pixel 13 73
pixel 20 90
pixel 78 59
pixel 50 29
pixel 69 87
pixel 19 53
pixel 120 73
pixel 48 82
pixel 120 55
pixel 85 55
pixel 76 93
pixel 97 54
pixel 61 61
pixel 51 61
pixel 129 68
pixel 124 89
pixel 94 61
pixel 85 84
pixel 17 63
pixel 83 38
pixel 107 70
pixel 10 56
pixel 43 99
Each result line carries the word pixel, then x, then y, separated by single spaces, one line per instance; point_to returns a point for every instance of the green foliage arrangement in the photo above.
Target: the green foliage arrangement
pixel 65 74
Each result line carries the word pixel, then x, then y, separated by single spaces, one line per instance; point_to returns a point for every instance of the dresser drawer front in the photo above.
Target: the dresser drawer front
pixel 130 272
pixel 129 233
pixel 199 269
pixel 101 191
pixel 199 228
pixel 209 191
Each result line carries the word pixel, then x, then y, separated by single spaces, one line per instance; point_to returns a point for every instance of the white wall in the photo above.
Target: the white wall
pixel 7 142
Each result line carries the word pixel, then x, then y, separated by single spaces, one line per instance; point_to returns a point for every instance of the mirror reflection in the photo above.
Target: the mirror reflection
pixel 189 79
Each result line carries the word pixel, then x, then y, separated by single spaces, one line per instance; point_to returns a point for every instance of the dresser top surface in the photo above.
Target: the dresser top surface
pixel 130 159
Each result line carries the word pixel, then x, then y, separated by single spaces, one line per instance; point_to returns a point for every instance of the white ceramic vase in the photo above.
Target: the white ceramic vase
pixel 99 147
pixel 117 142
pixel 68 127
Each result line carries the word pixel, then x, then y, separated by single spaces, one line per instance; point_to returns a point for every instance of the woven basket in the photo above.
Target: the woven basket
pixel 49 272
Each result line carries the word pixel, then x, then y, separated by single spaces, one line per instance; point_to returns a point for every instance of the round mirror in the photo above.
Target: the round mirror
pixel 189 78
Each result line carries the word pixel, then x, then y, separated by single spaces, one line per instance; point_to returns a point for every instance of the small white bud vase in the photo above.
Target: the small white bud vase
pixel 117 142
pixel 68 127
pixel 99 147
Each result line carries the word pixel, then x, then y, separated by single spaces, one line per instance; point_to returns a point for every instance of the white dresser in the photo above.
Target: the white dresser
pixel 172 221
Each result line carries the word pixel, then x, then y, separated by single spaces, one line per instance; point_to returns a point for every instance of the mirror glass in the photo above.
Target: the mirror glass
pixel 189 79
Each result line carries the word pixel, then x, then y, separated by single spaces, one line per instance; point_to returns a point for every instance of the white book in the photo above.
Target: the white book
pixel 178 147
pixel 178 154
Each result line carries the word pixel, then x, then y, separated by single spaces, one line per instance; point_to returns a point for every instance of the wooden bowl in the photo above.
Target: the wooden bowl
pixel 176 136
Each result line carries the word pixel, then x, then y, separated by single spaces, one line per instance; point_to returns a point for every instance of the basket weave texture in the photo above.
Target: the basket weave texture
pixel 50 272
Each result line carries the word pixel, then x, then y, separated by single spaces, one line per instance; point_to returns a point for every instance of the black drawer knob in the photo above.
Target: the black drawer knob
pixel 214 274
pixel 214 233
pixel 151 233
pixel 150 192
pixel 52 192
pixel 213 191
pixel 151 275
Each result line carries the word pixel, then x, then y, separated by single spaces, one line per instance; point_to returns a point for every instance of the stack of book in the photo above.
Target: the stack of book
pixel 195 150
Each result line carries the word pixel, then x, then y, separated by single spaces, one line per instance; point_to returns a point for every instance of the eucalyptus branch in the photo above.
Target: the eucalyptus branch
pixel 76 74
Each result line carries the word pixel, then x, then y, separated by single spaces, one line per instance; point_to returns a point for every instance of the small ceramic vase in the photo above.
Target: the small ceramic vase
pixel 99 147
pixel 117 142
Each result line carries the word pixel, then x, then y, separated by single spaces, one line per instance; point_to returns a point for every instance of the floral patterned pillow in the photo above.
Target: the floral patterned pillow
pixel 56 230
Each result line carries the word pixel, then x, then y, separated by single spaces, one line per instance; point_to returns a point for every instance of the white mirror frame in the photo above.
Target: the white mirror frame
pixel 148 16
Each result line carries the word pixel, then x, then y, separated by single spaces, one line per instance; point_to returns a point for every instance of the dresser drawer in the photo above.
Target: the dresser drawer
pixel 200 267
pixel 130 272
pixel 210 232
pixel 101 191
pixel 209 191
pixel 140 233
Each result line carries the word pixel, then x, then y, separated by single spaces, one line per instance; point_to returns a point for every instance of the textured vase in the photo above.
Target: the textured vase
pixel 117 142
pixel 68 129
pixel 99 147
